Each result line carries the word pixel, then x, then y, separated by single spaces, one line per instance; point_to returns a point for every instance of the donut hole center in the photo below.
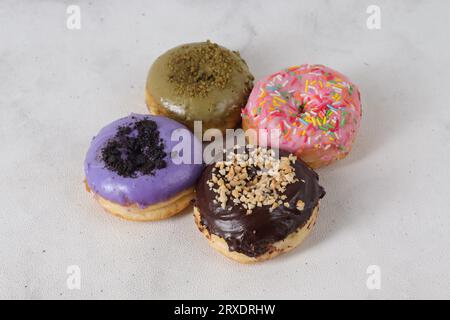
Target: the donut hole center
pixel 301 109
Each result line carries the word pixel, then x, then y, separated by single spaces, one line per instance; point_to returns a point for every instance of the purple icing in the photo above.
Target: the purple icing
pixel 144 190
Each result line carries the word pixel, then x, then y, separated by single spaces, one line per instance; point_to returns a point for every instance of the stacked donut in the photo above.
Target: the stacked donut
pixel 256 201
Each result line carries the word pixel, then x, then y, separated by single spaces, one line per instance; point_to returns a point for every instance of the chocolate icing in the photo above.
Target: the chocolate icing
pixel 253 234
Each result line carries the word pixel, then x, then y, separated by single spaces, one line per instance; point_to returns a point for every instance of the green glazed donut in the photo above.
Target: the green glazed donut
pixel 199 81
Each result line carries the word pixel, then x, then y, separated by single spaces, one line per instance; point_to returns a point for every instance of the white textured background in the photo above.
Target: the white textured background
pixel 387 204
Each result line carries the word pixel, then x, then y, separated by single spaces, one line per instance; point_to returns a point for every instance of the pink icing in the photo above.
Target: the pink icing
pixel 316 108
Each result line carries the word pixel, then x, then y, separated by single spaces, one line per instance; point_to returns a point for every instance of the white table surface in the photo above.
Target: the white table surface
pixel 387 204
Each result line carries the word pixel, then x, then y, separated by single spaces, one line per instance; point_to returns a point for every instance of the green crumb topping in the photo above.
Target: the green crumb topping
pixel 196 70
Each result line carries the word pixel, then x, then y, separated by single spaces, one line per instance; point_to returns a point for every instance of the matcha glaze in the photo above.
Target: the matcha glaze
pixel 200 81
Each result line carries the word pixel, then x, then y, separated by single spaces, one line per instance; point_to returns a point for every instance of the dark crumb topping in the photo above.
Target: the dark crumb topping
pixel 135 149
pixel 196 70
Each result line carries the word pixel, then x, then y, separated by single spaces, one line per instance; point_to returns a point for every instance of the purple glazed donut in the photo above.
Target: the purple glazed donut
pixel 132 171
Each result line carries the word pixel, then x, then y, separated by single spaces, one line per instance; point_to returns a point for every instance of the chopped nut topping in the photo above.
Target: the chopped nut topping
pixel 300 205
pixel 253 179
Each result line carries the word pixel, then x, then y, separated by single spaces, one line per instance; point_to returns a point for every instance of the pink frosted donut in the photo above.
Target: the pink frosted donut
pixel 316 109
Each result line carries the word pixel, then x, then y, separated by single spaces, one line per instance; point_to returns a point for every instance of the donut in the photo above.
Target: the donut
pixel 317 111
pixel 253 205
pixel 199 81
pixel 131 171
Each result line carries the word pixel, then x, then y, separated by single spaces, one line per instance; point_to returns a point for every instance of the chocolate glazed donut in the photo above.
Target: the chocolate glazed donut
pixel 254 235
